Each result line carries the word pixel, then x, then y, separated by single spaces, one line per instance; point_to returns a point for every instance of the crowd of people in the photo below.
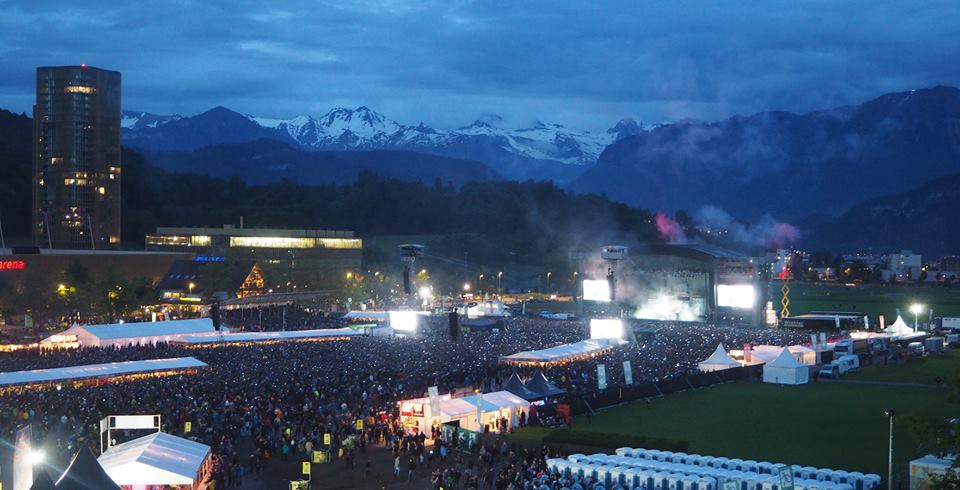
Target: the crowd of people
pixel 262 401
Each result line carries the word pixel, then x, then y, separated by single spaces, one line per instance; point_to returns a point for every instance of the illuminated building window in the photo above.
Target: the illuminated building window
pixel 75 182
pixel 352 243
pixel 114 239
pixel 295 242
pixel 272 242
pixel 101 190
pixel 79 89
pixel 200 241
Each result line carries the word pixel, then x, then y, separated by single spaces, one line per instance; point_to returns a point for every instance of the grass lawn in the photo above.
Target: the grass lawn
pixel 870 299
pixel 824 425
pixel 923 370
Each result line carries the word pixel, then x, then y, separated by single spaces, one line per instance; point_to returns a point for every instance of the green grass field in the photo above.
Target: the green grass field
pixel 824 425
pixel 923 371
pixel 870 299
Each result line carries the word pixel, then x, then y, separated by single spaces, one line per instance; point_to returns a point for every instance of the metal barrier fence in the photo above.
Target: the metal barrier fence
pixel 616 395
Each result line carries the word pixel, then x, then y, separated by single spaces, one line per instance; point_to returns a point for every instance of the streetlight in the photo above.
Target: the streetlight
pixel 548 281
pixel 889 412
pixel 466 287
pixel 499 277
pixel 916 308
pixel 190 288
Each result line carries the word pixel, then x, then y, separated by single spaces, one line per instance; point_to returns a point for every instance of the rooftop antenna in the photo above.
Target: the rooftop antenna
pixel 3 243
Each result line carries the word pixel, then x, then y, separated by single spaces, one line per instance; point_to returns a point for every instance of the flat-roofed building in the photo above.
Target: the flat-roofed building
pixel 290 259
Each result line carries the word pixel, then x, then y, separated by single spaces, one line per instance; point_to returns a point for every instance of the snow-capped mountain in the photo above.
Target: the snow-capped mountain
pixel 364 129
pixel 540 151
pixel 139 120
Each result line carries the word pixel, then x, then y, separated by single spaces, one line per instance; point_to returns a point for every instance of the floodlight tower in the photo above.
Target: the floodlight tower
pixel 613 254
pixel 409 253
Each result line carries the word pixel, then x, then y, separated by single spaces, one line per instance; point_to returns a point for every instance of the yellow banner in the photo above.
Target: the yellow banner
pixel 306 468
pixel 187 427
pixel 326 439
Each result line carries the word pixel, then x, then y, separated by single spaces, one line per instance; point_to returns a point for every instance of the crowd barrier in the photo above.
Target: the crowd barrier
pixel 627 393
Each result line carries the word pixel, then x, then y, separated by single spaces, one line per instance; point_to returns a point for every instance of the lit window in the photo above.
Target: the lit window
pixel 101 190
pixel 200 241
pixel 341 242
pixel 272 242
pixel 79 89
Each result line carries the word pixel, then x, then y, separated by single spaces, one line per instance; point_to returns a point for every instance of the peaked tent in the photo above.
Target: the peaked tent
pixel 539 384
pixel 515 385
pixel 718 361
pixel 786 370
pixel 42 480
pixel 900 327
pixel 84 473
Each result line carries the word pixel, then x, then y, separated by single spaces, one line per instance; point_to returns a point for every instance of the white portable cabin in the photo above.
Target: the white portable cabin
pixel 823 475
pixel 750 465
pixel 706 483
pixel 766 468
pixel 576 457
pixel 675 481
pixel 735 464
pixel 630 477
pixel 678 458
pixel 624 451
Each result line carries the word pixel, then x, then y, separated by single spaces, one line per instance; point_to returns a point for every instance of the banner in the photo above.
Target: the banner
pixel 187 426
pixel 326 440
pixel 627 373
pixel 434 395
pixel 601 376
pixel 866 322
pixel 306 468
pixel 786 478
pixel 882 326
pixel 22 466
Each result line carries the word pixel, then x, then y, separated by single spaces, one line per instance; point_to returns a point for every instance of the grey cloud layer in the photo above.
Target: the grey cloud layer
pixel 585 64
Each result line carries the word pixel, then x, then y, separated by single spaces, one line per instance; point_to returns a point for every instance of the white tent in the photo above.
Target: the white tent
pixel 156 460
pixel 419 412
pixel 565 352
pixel 126 334
pixel 785 370
pixel 93 371
pixel 899 327
pixel 253 337
pixel 718 361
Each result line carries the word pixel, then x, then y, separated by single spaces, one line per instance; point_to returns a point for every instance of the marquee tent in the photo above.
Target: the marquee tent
pixel 127 334
pixel 562 353
pixel 718 361
pixel 42 480
pixel 253 337
pixel 900 327
pixel 419 412
pixel 786 370
pixel 158 459
pixel 515 385
pixel 95 371
pixel 84 473
pixel 538 383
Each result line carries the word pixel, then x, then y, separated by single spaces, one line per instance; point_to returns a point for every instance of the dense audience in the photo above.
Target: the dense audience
pixel 285 397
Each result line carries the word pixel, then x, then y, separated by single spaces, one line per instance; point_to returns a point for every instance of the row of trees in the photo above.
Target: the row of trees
pixel 75 294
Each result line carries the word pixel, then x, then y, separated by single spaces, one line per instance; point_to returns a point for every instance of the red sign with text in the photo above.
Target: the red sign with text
pixel 12 265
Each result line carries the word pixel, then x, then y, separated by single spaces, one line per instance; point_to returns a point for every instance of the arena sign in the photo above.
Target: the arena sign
pixel 12 265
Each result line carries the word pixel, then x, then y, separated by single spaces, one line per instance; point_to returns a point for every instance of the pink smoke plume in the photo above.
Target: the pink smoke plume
pixel 669 229
pixel 782 234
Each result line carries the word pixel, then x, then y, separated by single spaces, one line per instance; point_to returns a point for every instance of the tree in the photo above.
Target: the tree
pixel 941 438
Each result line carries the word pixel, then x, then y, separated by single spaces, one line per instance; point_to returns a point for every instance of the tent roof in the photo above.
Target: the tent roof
pixel 269 336
pixel 156 459
pixel 367 315
pixel 144 329
pixel 900 326
pixel 785 360
pixel 42 480
pixel 539 384
pixel 84 473
pixel 515 386
pixel 97 370
pixel 720 357
pixel 561 352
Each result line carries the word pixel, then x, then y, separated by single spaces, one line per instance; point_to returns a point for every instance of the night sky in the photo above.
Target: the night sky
pixel 446 63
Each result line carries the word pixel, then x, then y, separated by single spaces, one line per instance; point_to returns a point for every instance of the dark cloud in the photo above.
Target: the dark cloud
pixel 584 64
